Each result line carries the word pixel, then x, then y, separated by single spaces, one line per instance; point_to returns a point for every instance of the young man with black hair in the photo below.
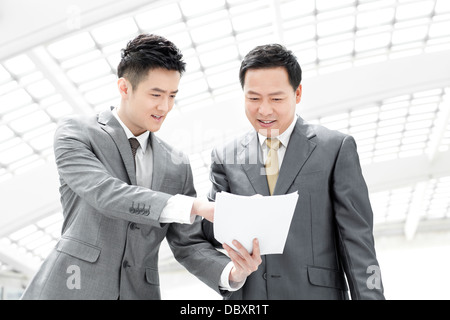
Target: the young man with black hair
pixel 123 190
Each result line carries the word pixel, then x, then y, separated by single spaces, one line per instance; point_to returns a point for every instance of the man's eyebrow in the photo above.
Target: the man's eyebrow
pixel 162 91
pixel 277 93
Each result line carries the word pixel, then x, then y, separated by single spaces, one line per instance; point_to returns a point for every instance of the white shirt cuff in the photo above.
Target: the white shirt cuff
pixel 178 210
pixel 225 284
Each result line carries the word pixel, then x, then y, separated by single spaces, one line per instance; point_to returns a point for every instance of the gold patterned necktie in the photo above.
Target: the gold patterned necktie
pixel 272 167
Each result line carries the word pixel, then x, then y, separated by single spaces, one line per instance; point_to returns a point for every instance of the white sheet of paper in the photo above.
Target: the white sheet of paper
pixel 244 218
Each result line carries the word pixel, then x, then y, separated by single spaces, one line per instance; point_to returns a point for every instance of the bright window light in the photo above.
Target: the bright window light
pixel 4 75
pixel 20 65
pixel 330 4
pixel 335 26
pixel 15 154
pixel 114 31
pixel 252 20
pixel 414 10
pixel 196 7
pixel 5 133
pixel 71 46
pixel 41 89
pixel 15 99
pixel 442 6
pixel 30 121
pixel 374 18
pixel 293 8
pixel 158 16
pixel 211 31
pixel 89 71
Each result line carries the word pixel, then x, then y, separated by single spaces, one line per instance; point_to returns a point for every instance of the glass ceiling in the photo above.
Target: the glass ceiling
pixel 40 86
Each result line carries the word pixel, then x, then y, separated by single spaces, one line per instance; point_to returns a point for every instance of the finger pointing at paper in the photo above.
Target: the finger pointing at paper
pixel 244 262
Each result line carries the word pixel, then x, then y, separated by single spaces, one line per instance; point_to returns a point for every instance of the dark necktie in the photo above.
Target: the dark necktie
pixel 134 146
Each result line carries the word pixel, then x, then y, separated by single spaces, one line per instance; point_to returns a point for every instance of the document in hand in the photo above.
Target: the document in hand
pixel 244 218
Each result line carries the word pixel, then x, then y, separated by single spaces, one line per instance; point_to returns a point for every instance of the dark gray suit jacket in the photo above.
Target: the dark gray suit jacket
pixel 111 232
pixel 330 241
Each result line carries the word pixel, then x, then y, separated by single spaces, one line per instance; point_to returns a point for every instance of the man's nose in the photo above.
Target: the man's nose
pixel 265 109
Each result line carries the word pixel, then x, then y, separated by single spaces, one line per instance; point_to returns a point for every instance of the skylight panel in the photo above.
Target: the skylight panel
pixel 14 154
pixel 30 121
pixel 4 75
pixel 295 8
pixel 211 31
pixel 375 18
pixel 59 110
pixel 71 46
pixel 331 4
pixel 414 10
pixel 219 56
pixel 335 26
pixel 442 6
pixel 41 89
pixel 440 29
pixel 253 19
pixel 20 65
pixel 409 34
pixel 101 94
pixel 13 100
pixel 196 7
pixel 159 16
pixel 337 49
pixel 114 31
pixel 371 42
pixel 89 71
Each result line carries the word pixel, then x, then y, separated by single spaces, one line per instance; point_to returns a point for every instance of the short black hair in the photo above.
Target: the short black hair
pixel 147 52
pixel 272 56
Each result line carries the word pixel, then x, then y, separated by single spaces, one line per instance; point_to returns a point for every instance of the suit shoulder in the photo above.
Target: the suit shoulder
pixel 173 151
pixel 325 133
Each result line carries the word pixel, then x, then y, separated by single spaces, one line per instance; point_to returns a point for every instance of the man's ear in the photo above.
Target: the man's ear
pixel 124 87
pixel 298 94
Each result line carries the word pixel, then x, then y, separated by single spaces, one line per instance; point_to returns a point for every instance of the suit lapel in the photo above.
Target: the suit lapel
pixel 113 128
pixel 160 158
pixel 297 153
pixel 252 163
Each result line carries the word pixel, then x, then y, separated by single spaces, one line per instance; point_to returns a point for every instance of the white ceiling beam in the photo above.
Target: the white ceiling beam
pixel 53 73
pixel 439 131
pixel 362 86
pixel 277 20
pixel 405 171
pixel 415 210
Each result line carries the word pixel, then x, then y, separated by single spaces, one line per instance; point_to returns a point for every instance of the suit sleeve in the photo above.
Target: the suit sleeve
pixel 219 183
pixel 192 250
pixel 354 219
pixel 81 171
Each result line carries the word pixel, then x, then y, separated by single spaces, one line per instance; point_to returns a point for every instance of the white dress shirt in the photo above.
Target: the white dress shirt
pixel 178 208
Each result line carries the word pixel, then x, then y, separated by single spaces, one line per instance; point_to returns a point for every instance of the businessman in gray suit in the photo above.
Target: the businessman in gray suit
pixel 330 245
pixel 123 190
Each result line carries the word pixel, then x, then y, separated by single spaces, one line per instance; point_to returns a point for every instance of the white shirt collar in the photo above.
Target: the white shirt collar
pixel 143 138
pixel 284 137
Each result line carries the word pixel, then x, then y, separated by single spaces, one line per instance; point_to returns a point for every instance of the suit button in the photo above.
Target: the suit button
pixel 133 226
pixel 264 276
pixel 125 264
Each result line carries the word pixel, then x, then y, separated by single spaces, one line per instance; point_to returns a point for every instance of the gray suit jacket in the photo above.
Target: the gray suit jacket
pixel 331 231
pixel 111 234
